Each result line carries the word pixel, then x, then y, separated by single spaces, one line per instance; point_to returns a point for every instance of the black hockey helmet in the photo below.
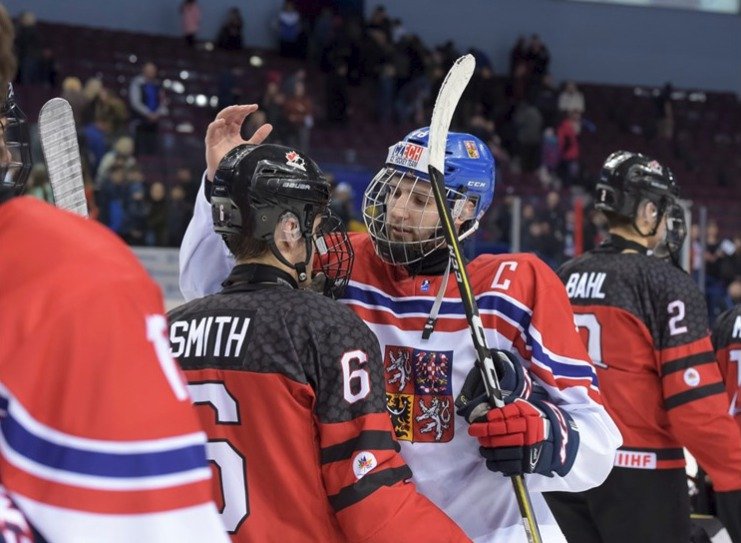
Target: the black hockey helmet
pixel 15 147
pixel 255 186
pixel 628 178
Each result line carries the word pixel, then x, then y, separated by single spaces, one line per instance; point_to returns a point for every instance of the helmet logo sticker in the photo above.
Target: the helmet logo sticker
pixel 655 167
pixel 471 149
pixel 295 160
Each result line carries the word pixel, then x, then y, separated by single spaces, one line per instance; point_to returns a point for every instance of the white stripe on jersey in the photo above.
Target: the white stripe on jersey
pixel 196 524
pixel 18 412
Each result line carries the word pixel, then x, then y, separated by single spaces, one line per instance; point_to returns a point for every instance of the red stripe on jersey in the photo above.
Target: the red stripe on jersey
pixel 690 378
pixel 729 371
pixel 104 501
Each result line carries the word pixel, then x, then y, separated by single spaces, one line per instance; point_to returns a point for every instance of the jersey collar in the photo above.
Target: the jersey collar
pixel 258 274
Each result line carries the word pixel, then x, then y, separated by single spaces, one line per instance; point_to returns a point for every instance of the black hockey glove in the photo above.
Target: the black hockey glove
pixel 514 381
pixel 728 506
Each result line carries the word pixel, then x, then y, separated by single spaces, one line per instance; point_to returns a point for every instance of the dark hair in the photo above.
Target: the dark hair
pixel 616 221
pixel 244 244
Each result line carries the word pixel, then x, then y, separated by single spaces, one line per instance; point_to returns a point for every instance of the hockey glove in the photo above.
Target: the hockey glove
pixel 527 437
pixel 514 381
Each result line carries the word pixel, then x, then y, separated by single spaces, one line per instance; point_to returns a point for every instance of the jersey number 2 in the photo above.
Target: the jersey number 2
pixel 232 465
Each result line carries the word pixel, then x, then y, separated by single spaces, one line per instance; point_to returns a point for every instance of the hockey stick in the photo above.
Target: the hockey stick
pixel 447 100
pixel 62 155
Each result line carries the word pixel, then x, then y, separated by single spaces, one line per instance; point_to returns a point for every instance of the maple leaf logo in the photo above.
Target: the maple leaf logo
pixel 295 160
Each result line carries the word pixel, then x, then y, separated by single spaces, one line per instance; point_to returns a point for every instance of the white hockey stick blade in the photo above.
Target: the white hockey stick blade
pixel 62 155
pixel 447 99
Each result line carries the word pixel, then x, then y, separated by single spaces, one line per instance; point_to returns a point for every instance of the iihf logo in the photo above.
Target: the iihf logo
pixel 425 286
pixel 295 160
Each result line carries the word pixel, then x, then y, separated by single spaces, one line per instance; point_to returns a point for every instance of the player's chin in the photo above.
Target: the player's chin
pixel 401 235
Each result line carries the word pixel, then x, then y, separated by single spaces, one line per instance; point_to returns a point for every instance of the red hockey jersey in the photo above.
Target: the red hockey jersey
pixel 289 387
pixel 727 344
pixel 645 325
pixel 98 439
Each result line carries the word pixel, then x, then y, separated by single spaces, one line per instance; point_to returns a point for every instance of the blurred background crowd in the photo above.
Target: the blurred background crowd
pixel 343 84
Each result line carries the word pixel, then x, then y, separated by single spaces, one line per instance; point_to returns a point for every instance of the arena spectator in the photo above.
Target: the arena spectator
pixel 298 110
pixel 137 216
pixel 528 124
pixel 538 58
pixel 149 104
pixel 230 36
pixel 122 153
pixel 190 18
pixel 321 34
pixel 289 26
pixel 157 221
pixel 569 168
pixel 271 104
pixel 72 92
pixel 571 99
pixel 95 142
pixel 28 48
pixel 113 199
pixel 38 184
pixel 517 55
pixel 546 99
pixel 179 212
pixel 665 112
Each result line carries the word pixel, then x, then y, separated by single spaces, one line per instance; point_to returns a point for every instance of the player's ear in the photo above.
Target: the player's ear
pixel 287 231
pixel 647 213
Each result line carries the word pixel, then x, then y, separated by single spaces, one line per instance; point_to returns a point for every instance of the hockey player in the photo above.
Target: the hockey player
pixel 289 382
pixel 98 438
pixel 727 344
pixel 646 328
pixel 399 269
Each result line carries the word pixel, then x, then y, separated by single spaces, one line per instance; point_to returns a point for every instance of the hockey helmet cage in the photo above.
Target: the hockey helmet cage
pixel 15 146
pixel 469 177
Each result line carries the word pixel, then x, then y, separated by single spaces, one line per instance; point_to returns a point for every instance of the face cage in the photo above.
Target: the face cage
pixel 676 228
pixel 419 220
pixel 15 148
pixel 334 254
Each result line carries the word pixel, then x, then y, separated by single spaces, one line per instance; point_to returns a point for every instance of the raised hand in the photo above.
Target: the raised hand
pixel 223 134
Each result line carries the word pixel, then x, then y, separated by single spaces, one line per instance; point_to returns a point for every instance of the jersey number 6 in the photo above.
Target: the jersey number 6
pixel 232 465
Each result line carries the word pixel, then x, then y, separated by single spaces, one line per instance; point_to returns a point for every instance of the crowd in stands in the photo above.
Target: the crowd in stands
pixel 350 71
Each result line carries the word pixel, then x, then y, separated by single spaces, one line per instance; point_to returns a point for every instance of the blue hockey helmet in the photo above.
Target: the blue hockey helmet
pixel 469 177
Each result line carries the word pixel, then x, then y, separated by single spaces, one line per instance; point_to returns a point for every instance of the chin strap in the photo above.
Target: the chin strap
pixel 300 267
pixel 432 319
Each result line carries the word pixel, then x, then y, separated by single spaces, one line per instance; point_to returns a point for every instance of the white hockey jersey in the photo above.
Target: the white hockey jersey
pixel 523 306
